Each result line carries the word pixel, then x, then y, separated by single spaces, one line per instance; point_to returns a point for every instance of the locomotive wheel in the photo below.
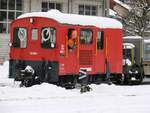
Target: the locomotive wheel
pixel 69 82
pixel 126 79
pixel 140 80
pixel 26 83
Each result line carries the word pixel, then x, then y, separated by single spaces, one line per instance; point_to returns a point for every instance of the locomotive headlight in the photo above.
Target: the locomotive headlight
pixel 52 45
pixel 62 50
pixel 62 53
pixel 31 20
pixel 9 44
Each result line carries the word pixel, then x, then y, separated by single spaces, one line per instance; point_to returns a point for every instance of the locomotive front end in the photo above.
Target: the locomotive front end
pixel 33 52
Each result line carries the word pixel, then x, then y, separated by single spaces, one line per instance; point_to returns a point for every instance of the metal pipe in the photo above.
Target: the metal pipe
pixel 29 5
pixel 68 5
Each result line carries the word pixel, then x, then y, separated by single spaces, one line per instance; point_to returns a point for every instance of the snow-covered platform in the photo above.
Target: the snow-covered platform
pixel 47 98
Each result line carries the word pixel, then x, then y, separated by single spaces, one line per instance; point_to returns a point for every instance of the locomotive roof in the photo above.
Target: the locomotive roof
pixel 128 45
pixel 74 19
pixel 147 41
pixel 132 37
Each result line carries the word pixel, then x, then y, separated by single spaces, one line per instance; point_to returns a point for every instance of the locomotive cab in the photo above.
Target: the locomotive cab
pixel 133 72
pixel 128 54
pixel 32 44
pixel 53 47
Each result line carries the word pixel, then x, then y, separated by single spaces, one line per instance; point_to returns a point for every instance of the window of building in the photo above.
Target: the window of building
pixel 100 39
pixel 87 10
pixel 122 0
pixel 85 36
pixel 20 38
pixel 51 5
pixel 9 10
pixel 48 37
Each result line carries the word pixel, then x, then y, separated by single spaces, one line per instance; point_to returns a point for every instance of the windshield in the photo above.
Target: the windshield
pixel 48 37
pixel 20 37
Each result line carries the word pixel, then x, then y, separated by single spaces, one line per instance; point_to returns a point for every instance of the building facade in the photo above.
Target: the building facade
pixel 11 9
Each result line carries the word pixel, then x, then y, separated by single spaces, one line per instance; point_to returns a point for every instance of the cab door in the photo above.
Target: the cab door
pixel 87 49
pixel 33 42
pixel 100 53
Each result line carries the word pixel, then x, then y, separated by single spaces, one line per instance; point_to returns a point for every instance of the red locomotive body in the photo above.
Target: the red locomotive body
pixel 56 46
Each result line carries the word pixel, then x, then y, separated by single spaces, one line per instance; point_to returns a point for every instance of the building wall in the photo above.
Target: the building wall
pixel 35 5
pixel 73 5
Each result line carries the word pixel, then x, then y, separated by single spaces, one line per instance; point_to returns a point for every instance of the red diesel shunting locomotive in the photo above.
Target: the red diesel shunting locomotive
pixel 54 46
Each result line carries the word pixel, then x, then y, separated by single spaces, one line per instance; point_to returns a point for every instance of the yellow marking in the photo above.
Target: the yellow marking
pixel 78 47
pixel 66 46
pixel 106 49
pixel 96 46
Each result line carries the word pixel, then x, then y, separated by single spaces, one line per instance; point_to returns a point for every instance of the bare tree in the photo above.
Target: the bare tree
pixel 137 22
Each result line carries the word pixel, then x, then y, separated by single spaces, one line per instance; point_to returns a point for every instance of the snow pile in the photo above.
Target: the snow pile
pixel 47 98
pixel 43 91
pixel 4 80
pixel 74 19
pixel 4 70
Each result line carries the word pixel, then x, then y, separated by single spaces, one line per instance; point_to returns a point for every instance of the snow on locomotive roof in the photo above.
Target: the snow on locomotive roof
pixel 132 37
pixel 147 41
pixel 74 19
pixel 128 45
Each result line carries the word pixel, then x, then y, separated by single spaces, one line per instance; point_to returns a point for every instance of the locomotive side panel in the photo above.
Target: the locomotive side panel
pixel 54 48
pixel 113 49
pixel 100 51
pixel 68 57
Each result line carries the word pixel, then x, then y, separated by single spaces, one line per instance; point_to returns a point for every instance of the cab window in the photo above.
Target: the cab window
pixel 100 39
pixel 72 36
pixel 34 34
pixel 86 36
pixel 48 37
pixel 20 38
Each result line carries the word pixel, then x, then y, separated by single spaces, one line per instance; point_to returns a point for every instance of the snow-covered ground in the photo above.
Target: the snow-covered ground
pixel 47 98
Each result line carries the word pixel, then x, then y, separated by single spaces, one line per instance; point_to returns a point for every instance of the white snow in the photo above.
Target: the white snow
pixel 4 70
pixel 128 45
pixel 147 41
pixel 47 98
pixel 127 61
pixel 132 37
pixel 123 4
pixel 4 81
pixel 112 12
pixel 74 19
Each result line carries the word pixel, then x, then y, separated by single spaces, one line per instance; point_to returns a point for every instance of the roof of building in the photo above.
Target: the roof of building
pixel 123 4
pixel 74 19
